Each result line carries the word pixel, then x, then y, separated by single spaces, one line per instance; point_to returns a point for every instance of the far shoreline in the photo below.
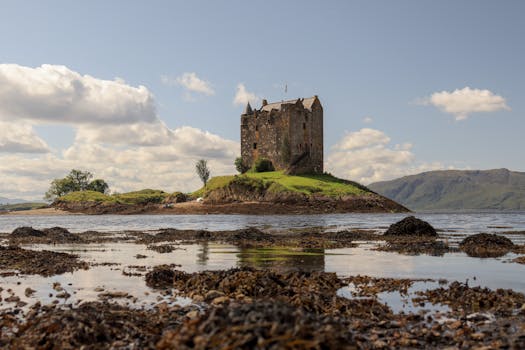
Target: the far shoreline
pixel 42 212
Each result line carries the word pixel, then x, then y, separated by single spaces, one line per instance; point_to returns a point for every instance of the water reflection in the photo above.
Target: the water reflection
pixel 283 259
pixel 204 254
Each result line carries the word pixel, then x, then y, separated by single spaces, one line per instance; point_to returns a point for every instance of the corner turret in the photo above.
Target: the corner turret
pixel 248 110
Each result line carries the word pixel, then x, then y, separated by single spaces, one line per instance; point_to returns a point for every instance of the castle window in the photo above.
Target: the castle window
pixel 306 118
pixel 255 145
pixel 256 127
pixel 304 126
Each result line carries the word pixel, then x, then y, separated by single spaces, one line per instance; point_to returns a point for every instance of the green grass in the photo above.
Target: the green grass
pixel 136 197
pixel 23 206
pixel 276 181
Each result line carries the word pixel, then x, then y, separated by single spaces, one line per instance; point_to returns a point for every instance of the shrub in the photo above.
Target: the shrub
pixel 241 168
pixel 263 165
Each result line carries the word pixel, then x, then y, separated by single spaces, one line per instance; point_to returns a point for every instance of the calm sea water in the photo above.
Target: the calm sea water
pixel 84 285
pixel 464 223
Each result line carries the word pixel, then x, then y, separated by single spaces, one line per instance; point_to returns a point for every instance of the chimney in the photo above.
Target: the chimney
pixel 264 102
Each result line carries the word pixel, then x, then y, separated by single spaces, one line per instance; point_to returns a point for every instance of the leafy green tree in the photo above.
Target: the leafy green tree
pixel 76 180
pixel 59 187
pixel 98 185
pixel 241 168
pixel 80 178
pixel 203 171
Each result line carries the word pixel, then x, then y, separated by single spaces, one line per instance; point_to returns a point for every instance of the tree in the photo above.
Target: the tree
pixel 76 180
pixel 239 165
pixel 80 179
pixel 98 185
pixel 202 170
pixel 59 187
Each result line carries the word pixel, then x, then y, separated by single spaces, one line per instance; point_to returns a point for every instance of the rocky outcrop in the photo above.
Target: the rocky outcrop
pixel 485 245
pixel 245 190
pixel 411 226
pixel 53 235
pixel 25 231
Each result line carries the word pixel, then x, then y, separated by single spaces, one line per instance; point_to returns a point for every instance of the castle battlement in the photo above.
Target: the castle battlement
pixel 289 133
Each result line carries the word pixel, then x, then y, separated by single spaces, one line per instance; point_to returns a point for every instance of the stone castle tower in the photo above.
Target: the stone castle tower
pixel 289 133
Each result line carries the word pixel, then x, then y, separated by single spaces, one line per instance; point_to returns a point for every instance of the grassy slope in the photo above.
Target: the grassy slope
pixel 277 181
pixel 454 189
pixel 136 197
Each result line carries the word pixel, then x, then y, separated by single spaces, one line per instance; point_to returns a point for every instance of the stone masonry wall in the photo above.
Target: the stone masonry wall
pixel 285 136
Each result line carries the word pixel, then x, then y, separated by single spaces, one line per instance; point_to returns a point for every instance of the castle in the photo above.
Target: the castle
pixel 288 133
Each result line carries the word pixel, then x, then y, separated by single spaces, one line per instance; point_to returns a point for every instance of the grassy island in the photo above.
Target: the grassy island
pixel 251 193
pixel 277 182
pixel 135 197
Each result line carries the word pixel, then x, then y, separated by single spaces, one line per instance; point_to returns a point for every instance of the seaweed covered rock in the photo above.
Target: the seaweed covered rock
pixel 53 235
pixel 41 262
pixel 61 235
pixel 26 231
pixel 411 226
pixel 93 325
pixel 160 277
pixel 252 234
pixel 265 325
pixel 486 245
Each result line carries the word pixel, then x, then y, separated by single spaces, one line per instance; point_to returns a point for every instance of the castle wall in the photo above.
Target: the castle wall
pixel 291 135
pixel 317 150
pixel 262 135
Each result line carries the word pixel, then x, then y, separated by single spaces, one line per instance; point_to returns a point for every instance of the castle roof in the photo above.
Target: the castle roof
pixel 307 103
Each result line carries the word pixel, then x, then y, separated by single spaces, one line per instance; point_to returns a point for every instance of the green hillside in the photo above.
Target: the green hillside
pixel 136 197
pixel 499 189
pixel 278 182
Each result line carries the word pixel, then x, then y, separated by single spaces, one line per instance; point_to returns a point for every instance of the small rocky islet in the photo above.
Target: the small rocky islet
pixel 251 308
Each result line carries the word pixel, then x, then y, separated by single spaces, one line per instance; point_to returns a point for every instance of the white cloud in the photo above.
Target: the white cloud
pixel 191 82
pixel 139 134
pixel 362 138
pixel 169 166
pixel 242 96
pixel 368 120
pixel 119 136
pixel 462 103
pixel 20 138
pixel 366 156
pixel 56 94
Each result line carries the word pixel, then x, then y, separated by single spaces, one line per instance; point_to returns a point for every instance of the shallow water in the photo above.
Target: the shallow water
pixel 466 223
pixel 492 273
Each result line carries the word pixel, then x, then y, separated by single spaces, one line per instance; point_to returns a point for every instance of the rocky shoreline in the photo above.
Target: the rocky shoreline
pixel 254 308
pixel 369 203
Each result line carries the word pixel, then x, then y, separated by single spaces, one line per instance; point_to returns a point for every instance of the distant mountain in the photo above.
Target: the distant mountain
pixel 4 200
pixel 499 189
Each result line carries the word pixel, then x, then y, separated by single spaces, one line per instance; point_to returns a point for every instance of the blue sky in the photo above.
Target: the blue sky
pixel 381 60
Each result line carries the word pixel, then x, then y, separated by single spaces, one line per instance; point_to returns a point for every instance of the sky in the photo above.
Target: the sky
pixel 137 92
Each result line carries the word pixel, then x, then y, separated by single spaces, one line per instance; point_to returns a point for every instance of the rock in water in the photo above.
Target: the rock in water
pixel 26 231
pixel 485 245
pixel 411 226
